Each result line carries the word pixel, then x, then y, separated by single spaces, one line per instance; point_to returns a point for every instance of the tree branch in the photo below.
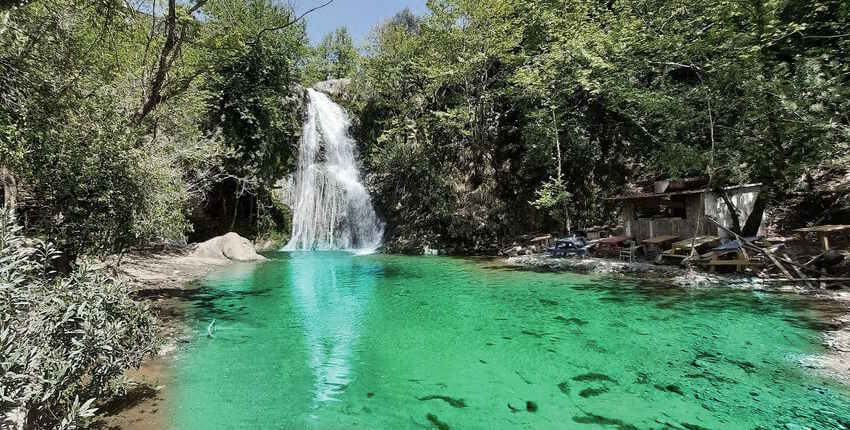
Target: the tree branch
pixel 836 36
pixel 10 189
pixel 199 4
pixel 679 65
pixel 165 60
pixel 169 54
pixel 263 31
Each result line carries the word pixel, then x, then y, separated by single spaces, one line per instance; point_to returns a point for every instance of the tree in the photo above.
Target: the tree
pixel 65 342
pixel 118 122
pixel 335 57
pixel 250 81
pixel 752 91
pixel 553 196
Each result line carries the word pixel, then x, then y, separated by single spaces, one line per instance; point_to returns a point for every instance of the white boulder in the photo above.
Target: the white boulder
pixel 231 246
pixel 333 87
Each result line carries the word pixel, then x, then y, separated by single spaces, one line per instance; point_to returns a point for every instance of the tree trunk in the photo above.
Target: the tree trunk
pixel 170 51
pixel 557 143
pixel 751 228
pixel 235 211
pixel 10 189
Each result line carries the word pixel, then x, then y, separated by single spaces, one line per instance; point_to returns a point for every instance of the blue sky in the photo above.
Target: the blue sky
pixel 358 15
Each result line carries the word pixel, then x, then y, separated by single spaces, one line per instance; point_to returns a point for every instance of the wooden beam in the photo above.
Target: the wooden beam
pixel 766 252
pixel 799 272
pixel 825 240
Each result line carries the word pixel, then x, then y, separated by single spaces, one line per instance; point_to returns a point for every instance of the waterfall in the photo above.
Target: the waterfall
pixel 332 209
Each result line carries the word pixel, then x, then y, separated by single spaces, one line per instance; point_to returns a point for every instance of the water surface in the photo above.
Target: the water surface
pixel 335 341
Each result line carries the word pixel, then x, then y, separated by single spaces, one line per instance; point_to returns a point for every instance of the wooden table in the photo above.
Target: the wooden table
pixel 610 245
pixel 697 242
pixel 659 243
pixel 824 231
pixel 543 242
pixel 719 256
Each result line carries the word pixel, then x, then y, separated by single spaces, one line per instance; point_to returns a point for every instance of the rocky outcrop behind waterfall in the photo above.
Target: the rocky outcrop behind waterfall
pixel 333 87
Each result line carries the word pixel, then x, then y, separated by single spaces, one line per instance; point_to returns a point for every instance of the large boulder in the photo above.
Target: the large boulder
pixel 333 87
pixel 231 246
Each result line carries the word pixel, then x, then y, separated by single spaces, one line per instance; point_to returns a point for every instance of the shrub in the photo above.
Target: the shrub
pixel 65 341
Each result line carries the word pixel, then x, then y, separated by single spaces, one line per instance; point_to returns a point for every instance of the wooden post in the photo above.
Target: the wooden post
pixel 799 272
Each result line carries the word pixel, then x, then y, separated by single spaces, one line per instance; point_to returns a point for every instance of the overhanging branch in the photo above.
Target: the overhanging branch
pixel 299 18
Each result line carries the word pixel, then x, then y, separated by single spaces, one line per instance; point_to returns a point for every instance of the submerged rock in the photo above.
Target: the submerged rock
pixel 571 320
pixel 670 389
pixel 589 418
pixel 594 377
pixel 439 424
pixel 231 246
pixel 593 392
pixel 457 403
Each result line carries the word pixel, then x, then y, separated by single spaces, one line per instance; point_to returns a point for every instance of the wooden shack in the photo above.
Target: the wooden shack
pixel 681 212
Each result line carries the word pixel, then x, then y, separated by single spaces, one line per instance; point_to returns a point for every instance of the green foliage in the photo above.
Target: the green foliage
pixel 87 178
pixel 753 91
pixel 73 77
pixel 553 195
pixel 334 58
pixel 454 110
pixel 250 83
pixel 65 341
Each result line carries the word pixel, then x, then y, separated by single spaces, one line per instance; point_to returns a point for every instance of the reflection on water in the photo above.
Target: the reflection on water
pixel 331 294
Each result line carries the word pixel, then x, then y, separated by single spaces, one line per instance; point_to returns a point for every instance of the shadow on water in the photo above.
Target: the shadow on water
pixel 810 312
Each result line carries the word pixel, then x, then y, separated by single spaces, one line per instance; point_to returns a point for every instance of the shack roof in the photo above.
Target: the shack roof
pixel 678 193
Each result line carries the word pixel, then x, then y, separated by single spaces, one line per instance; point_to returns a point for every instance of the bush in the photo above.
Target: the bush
pixel 65 341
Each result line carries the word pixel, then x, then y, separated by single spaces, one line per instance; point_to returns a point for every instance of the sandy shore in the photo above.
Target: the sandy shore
pixel 163 280
pixel 834 363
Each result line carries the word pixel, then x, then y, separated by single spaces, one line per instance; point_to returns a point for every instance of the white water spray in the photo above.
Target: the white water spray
pixel 332 209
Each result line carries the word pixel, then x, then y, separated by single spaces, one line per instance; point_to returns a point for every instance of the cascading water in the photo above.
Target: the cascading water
pixel 332 209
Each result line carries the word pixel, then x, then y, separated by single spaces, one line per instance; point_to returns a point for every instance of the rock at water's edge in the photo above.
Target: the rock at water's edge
pixel 231 246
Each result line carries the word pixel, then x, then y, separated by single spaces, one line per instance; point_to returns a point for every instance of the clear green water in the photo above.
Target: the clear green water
pixel 334 341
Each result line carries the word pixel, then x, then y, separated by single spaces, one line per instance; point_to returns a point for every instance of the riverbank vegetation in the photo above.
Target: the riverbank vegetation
pixel 478 121
pixel 65 340
pixel 479 117
pixel 125 125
